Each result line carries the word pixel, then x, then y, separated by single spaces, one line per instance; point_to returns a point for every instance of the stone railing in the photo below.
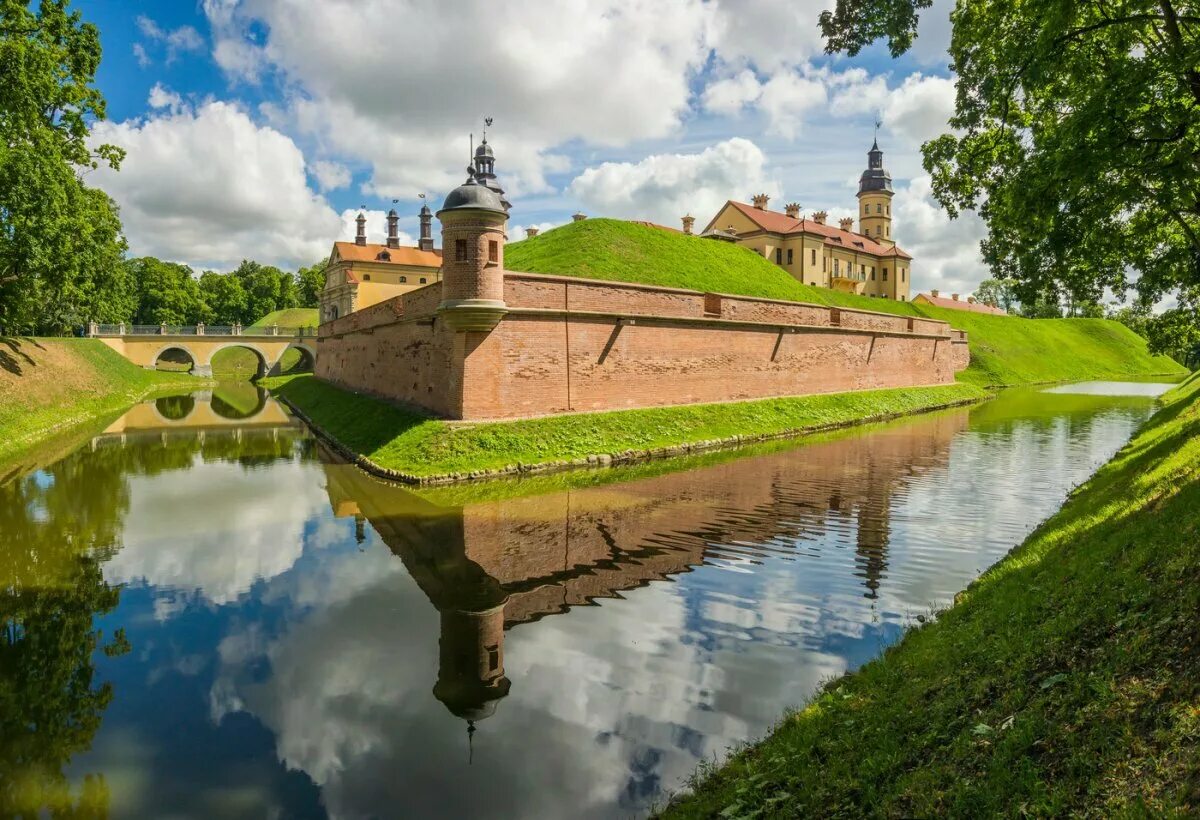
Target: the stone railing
pixel 95 329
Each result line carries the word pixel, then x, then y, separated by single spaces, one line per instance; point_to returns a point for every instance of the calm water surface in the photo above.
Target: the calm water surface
pixel 204 614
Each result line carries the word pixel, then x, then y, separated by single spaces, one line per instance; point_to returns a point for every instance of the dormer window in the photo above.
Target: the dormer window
pixel 384 256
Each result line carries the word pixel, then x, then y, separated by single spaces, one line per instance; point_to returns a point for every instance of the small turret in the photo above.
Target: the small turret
pixel 875 199
pixel 473 219
pixel 360 237
pixel 689 222
pixel 425 243
pixel 393 235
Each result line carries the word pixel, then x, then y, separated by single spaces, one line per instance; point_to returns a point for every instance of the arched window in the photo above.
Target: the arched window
pixel 403 278
pixel 423 280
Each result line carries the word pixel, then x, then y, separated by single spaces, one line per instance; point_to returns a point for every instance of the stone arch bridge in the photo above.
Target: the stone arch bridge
pixel 144 345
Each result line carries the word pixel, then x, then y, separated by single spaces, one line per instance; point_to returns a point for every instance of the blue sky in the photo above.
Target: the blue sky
pixel 256 128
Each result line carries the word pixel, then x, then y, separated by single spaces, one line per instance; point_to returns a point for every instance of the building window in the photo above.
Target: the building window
pixel 878 208
pixel 778 256
pixel 902 272
pixel 872 273
pixel 493 250
pixel 885 274
pixel 460 250
pixel 823 262
pixel 835 267
pixel 423 280
pixel 814 256
pixel 366 277
pixel 902 299
pixel 789 257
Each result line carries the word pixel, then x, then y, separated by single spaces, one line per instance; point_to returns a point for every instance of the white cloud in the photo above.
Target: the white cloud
pixel 946 252
pixel 730 95
pixel 770 34
pixel 788 97
pixel 920 108
pixel 162 97
pixel 604 72
pixel 664 187
pixel 174 42
pixel 330 175
pixel 210 187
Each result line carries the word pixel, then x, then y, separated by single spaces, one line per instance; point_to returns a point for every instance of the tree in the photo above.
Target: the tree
pixel 998 293
pixel 224 297
pixel 168 293
pixel 312 282
pixel 1175 333
pixel 267 289
pixel 60 242
pixel 1077 128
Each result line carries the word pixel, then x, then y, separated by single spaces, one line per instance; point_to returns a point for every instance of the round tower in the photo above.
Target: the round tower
pixel 473 220
pixel 875 199
pixel 471 662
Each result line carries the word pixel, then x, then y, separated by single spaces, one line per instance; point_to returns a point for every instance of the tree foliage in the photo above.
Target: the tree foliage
pixel 1076 137
pixel 997 293
pixel 60 241
pixel 312 282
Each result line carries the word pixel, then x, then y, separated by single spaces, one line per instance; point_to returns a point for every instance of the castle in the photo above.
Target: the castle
pixel 470 340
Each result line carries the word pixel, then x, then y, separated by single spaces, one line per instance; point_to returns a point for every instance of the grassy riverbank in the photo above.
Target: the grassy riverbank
pixel 1005 350
pixel 50 385
pixel 397 439
pixel 1062 681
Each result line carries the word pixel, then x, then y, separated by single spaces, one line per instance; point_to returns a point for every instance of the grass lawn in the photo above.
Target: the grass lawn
pixel 49 385
pixel 401 440
pixel 289 317
pixel 1063 681
pixel 1005 350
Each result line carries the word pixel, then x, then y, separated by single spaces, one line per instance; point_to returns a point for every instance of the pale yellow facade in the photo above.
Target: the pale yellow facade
pixel 359 276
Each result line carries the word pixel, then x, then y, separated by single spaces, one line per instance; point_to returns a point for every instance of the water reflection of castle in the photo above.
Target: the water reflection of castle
pixel 492 565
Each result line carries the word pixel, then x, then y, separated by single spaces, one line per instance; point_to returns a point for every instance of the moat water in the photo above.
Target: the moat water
pixel 204 614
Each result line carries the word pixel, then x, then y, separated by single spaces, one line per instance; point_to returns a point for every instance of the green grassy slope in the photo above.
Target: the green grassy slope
pixel 289 317
pixel 49 385
pixel 1062 681
pixel 1004 349
pixel 404 441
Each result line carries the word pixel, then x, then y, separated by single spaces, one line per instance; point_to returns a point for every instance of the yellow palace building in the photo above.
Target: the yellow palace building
pixel 867 261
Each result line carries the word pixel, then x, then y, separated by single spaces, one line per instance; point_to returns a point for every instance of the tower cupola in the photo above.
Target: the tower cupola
pixel 360 235
pixel 393 234
pixel 425 243
pixel 875 199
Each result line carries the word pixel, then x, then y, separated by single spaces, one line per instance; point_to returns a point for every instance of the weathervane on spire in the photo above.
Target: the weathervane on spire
pixel 878 125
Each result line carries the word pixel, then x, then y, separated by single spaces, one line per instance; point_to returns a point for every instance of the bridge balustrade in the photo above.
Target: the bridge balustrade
pixel 94 329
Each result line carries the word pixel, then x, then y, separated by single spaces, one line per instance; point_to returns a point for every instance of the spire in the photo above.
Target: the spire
pixel 484 159
pixel 426 216
pixel 875 178
pixel 393 236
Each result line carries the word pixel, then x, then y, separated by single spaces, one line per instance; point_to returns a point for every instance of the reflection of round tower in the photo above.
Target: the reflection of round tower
pixel 471 662
pixel 473 220
pixel 875 199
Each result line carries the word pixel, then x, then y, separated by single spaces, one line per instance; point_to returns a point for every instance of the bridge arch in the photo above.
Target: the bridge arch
pixel 308 357
pixel 174 409
pixel 263 364
pixel 174 347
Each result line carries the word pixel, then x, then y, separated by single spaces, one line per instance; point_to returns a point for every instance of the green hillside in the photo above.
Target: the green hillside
pixel 1004 349
pixel 289 317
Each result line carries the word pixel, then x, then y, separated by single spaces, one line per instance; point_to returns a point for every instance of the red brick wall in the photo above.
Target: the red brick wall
pixel 649 347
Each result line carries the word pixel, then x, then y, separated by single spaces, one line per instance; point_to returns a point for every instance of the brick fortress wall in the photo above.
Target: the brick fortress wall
pixel 570 345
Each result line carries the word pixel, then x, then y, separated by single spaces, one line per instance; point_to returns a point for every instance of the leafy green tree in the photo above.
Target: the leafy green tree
pixel 1136 317
pixel 60 242
pixel 224 297
pixel 312 282
pixel 1176 333
pixel 168 293
pixel 1076 136
pixel 267 289
pixel 998 293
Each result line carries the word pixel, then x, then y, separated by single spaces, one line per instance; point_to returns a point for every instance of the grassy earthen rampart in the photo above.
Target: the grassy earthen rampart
pixel 1005 350
pixel 48 386
pixel 1063 681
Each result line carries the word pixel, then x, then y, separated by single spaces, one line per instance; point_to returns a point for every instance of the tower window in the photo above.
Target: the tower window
pixel 493 250
pixel 877 230
pixel 878 208
pixel 460 250
pixel 902 272
pixel 872 273
pixel 789 257
pixel 814 256
pixel 823 262
pixel 885 274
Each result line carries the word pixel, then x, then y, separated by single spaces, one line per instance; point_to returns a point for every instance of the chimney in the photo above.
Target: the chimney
pixel 360 238
pixel 688 222
pixel 846 224
pixel 792 209
pixel 578 216
pixel 760 201
pixel 819 217
pixel 426 241
pixel 531 232
pixel 393 239
pixel 954 296
pixel 933 293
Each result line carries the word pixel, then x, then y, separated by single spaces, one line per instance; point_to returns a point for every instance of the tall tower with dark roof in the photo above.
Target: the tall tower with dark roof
pixel 875 199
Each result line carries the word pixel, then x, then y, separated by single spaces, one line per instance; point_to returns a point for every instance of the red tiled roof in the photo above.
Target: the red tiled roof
pixel 775 222
pixel 351 252
pixel 959 304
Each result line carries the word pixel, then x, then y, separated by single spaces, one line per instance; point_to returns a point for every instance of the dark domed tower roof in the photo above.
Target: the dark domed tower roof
pixel 474 195
pixel 875 178
pixel 484 150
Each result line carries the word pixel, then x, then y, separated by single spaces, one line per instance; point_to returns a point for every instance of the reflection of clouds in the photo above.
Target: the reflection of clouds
pixel 215 528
